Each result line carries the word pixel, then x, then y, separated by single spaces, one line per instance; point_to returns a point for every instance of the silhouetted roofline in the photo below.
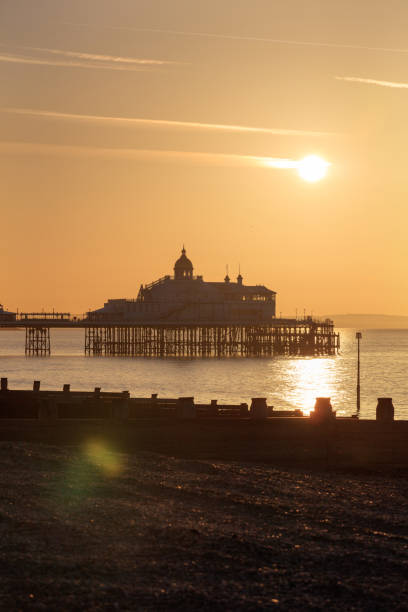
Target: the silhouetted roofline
pixel 230 286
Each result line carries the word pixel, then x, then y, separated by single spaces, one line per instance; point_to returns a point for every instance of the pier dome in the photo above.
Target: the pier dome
pixel 183 268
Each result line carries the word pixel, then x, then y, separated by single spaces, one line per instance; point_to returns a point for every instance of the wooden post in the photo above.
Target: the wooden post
pixel 385 410
pixel 259 408
pixel 323 411
pixel 185 408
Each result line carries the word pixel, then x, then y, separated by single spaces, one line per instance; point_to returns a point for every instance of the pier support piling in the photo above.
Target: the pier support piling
pixel 291 338
pixel 37 341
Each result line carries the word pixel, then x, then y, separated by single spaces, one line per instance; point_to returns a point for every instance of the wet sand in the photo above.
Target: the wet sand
pixel 87 528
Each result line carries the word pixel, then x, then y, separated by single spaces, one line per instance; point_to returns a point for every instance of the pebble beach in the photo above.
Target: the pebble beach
pixel 88 528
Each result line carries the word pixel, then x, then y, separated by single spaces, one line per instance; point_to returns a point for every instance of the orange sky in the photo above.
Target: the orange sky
pixel 93 206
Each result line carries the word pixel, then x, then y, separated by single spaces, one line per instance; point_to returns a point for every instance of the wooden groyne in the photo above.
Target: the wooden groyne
pixel 184 428
pixel 66 404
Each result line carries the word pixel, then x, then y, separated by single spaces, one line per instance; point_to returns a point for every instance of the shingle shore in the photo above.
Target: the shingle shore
pixel 88 528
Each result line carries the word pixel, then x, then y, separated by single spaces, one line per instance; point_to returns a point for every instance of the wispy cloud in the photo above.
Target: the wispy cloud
pixel 195 157
pixel 164 123
pixel 392 84
pixel 276 41
pixel 38 61
pixel 101 58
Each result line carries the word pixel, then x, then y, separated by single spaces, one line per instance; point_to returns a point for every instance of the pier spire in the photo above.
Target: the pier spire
pixel 227 278
pixel 239 277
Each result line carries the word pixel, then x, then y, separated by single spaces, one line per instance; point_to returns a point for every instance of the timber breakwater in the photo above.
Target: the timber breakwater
pixel 181 427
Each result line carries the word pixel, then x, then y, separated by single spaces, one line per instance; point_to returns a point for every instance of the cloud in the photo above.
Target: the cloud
pixel 195 157
pixel 392 84
pixel 36 61
pixel 101 58
pixel 164 123
pixel 276 41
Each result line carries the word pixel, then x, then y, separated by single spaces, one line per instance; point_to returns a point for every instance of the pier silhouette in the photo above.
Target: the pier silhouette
pixel 184 316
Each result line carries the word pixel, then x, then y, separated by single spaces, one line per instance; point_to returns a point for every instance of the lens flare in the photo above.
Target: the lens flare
pixel 102 457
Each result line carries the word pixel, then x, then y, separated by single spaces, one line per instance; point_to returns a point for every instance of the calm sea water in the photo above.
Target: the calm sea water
pixel 286 382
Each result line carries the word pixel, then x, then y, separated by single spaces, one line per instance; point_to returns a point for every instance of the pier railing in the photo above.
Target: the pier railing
pixel 52 317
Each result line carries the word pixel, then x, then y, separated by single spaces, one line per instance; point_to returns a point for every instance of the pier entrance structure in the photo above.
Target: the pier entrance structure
pixel 183 315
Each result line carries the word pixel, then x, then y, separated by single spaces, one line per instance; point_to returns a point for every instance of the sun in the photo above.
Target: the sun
pixel 312 168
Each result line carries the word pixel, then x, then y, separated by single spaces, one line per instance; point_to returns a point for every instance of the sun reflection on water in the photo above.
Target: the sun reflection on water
pixel 308 379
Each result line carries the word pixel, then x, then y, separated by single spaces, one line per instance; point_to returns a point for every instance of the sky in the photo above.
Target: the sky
pixel 123 136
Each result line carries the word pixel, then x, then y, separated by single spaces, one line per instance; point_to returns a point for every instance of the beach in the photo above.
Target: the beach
pixel 86 527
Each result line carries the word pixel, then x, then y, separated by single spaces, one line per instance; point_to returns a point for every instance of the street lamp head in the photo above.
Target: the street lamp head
pixel 358 336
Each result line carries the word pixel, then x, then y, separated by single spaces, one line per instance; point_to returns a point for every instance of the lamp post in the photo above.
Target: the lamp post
pixel 358 337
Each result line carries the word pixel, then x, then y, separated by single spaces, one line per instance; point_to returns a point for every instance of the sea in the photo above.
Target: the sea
pixel 286 382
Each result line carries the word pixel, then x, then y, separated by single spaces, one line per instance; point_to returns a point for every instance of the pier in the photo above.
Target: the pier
pixel 184 316
pixel 290 337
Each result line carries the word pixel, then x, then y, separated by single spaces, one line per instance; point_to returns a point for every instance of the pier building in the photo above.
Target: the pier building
pixel 183 315
pixel 185 298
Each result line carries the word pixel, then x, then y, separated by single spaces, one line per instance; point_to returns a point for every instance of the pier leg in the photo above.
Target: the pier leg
pixel 37 341
pixel 307 338
pixel 94 341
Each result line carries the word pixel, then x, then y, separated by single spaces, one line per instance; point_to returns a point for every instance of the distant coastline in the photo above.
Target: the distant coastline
pixel 368 321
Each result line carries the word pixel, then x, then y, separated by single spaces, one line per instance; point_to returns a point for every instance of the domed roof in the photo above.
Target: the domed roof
pixel 183 263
